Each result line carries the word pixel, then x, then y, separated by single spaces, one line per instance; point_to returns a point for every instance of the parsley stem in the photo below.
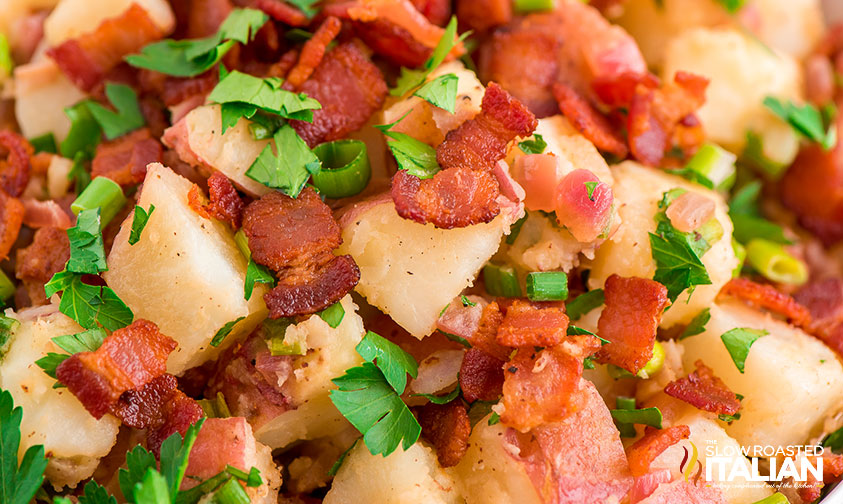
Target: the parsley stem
pixel 345 168
pixel 501 281
pixel 775 263
pixel 104 193
pixel 547 286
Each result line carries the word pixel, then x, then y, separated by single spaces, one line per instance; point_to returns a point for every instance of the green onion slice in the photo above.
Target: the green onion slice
pixel 104 193
pixel 775 263
pixel 547 286
pixel 345 168
pixel 501 281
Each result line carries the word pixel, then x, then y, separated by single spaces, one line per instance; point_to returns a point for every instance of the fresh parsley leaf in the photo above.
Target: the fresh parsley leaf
pixel 394 362
pixel 515 230
pixel 87 254
pixel 738 342
pixel 92 304
pixel 256 273
pixel 494 418
pixel 175 451
pixel 336 467
pixel 50 362
pixel 306 6
pixel 411 79
pixel 413 155
pixel 224 331
pixel 96 494
pixel 139 223
pixel 729 418
pixel 584 303
pixel 85 341
pixel 333 314
pixel 152 489
pixel 747 219
pixel 697 325
pixel 44 143
pixel 535 146
pixel 834 441
pixel 466 302
pixel 440 92
pixel 479 410
pixel 590 187
pixel 366 399
pixel 18 483
pixel 745 199
pixel 643 416
pixel 443 399
pixel 732 5
pixel 85 133
pixel 579 331
pixel 138 462
pixel 805 120
pixel 288 167
pixel 128 116
pixel 8 326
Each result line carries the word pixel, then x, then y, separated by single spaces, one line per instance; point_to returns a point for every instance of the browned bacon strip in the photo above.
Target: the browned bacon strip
pixel 295 238
pixel 313 52
pixel 177 414
pixel 37 263
pixel 642 453
pixel 588 121
pixel 824 300
pixel 15 169
pixel 481 376
pixel 532 325
pixel 811 490
pixel 437 12
pixel 483 15
pixel 175 90
pixel 11 219
pixel 768 297
pixel 124 159
pixel 350 89
pixel 226 204
pixel 633 310
pixel 128 359
pixel 447 427
pixel 281 11
pixel 704 391
pixel 87 59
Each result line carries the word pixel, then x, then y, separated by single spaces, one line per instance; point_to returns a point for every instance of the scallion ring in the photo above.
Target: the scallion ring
pixel 345 168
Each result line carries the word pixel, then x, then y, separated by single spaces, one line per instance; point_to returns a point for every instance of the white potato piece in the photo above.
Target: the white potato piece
pixel 50 415
pixel 185 273
pixel 638 189
pixel 331 352
pixel 742 72
pixel 404 477
pixel 12 11
pixel 42 92
pixel 399 259
pixel 430 124
pixel 72 18
pixel 792 26
pixel 199 141
pixel 791 383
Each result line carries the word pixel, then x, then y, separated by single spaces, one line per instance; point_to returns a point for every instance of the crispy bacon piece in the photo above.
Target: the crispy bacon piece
pixel 588 121
pixel 313 52
pixel 295 237
pixel 483 15
pixel 768 297
pixel 282 11
pixel 633 310
pixel 177 414
pixel 527 325
pixel 485 337
pixel 642 453
pixel 704 391
pixel 204 17
pixel 824 300
pixel 14 170
pixel 87 59
pixel 196 200
pixel 811 490
pixel 447 427
pixel 226 204
pixel 350 89
pixel 453 198
pixel 48 213
pixel 128 359
pixel 124 159
pixel 36 264
pixel 481 142
pixel 481 376
pixel 11 219
pixel 437 12
pixel 176 90
pixel 617 91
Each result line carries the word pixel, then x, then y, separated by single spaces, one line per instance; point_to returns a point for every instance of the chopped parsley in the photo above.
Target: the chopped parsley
pixel 333 315
pixel 535 146
pixel 515 230
pixel 85 341
pixel 191 57
pixel 256 273
pixel 224 331
pixel 87 254
pixel 834 441
pixel 643 416
pixel 394 362
pixel 732 6
pixel 806 120
pixel 590 187
pixel 440 92
pixel 306 6
pixel 336 467
pixel 738 342
pixel 8 326
pixel 627 430
pixel 19 482
pixel 584 303
pixel 697 325
pixel 44 143
pixel 85 133
pixel 139 221
pixel 78 174
pixel 465 302
pixel 128 116
pixel 411 79
pixel 413 155
pixel 443 399
pixel 285 164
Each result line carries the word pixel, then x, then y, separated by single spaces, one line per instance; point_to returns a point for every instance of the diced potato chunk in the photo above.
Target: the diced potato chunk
pixel 331 352
pixel 232 153
pixel 404 477
pixel 42 92
pixel 185 273
pixel 791 382
pixel 72 18
pixel 52 417
pixel 742 72
pixel 410 270
pixel 12 11
pixel 638 190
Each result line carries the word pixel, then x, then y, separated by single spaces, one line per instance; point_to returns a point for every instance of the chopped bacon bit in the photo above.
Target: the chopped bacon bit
pixel 177 414
pixel 447 427
pixel 281 11
pixel 87 59
pixel 586 216
pixel 11 219
pixel 313 52
pixel 618 91
pixel 483 15
pixel 589 121
pixel 526 325
pixel 226 204
pixel 633 310
pixel 704 391
pixel 36 264
pixel 393 42
pixel 642 453
pixel 538 174
pixel 176 90
pixel 38 214
pixel 128 359
pixel 350 89
pixel 811 490
pixel 481 142
pixel 485 337
pixel 295 237
pixel 452 198
pixel 14 170
pixel 437 12
pixel 197 201
pixel 139 408
pixel 204 17
pixel 768 297
pixel 824 300
pixel 124 159
pixel 481 376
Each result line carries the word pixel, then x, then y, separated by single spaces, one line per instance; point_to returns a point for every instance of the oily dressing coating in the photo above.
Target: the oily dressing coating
pixel 295 238
pixel 124 159
pixel 704 391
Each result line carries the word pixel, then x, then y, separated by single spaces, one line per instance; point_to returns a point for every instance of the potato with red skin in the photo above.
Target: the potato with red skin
pixel 584 205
